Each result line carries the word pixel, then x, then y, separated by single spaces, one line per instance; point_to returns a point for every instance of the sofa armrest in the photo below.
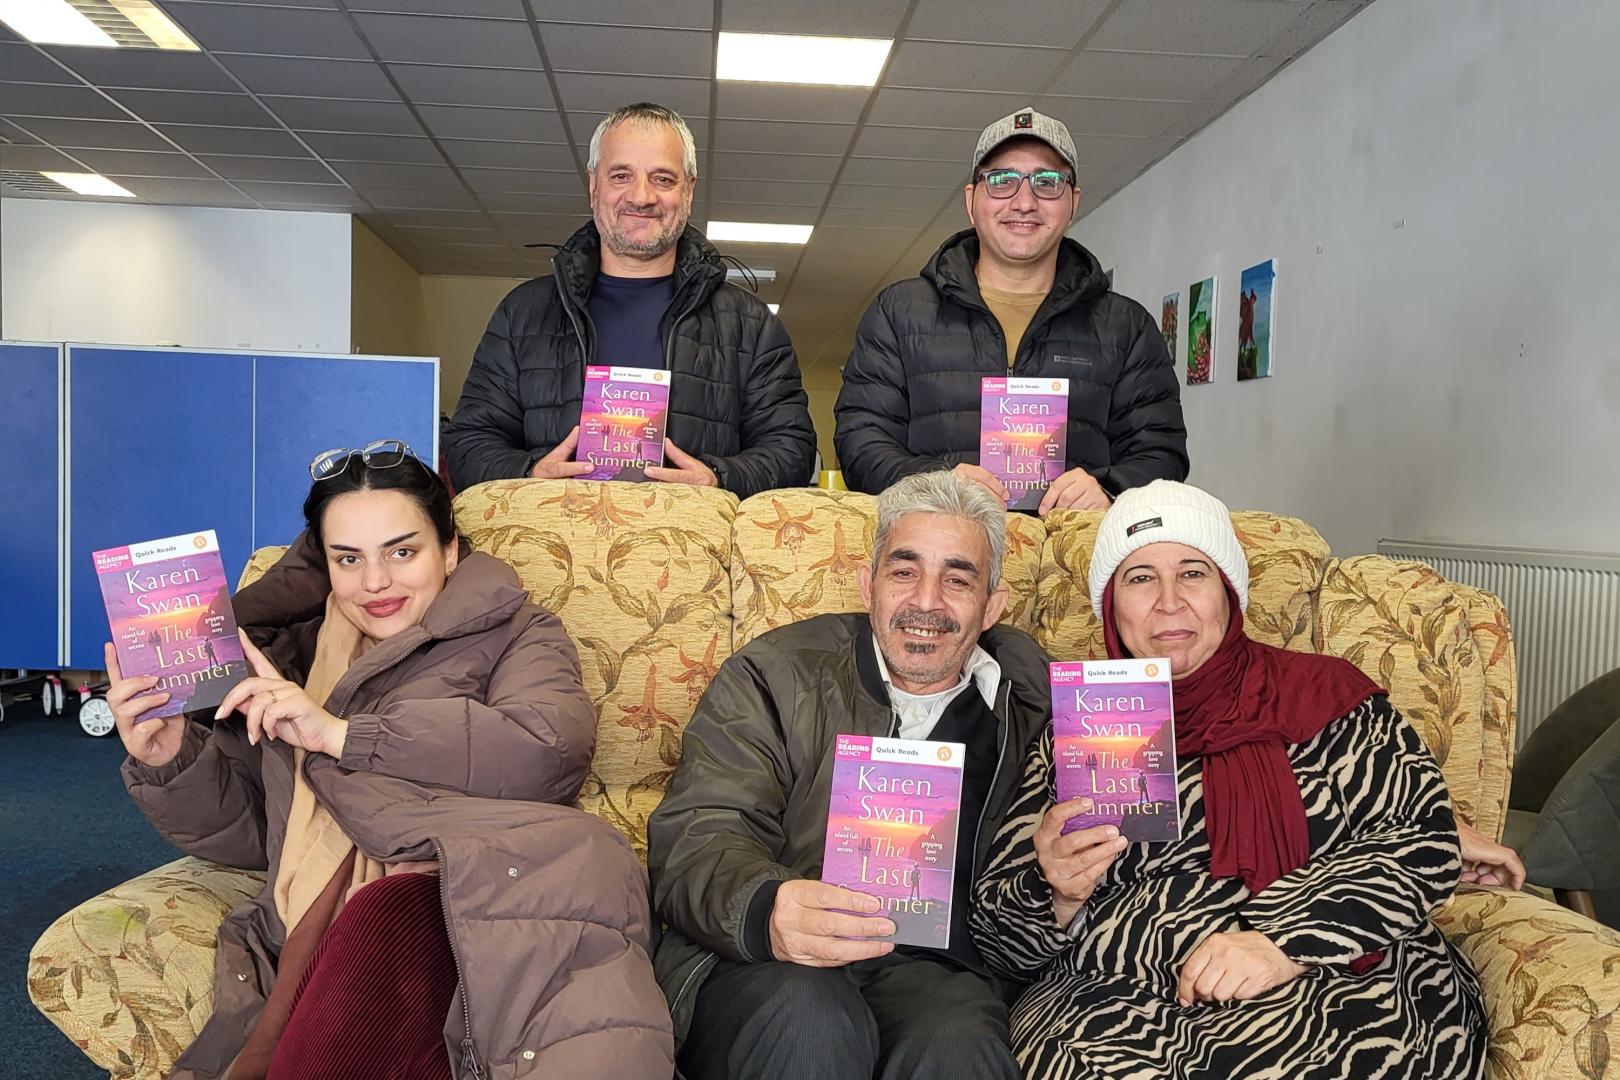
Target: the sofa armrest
pixel 129 975
pixel 1551 981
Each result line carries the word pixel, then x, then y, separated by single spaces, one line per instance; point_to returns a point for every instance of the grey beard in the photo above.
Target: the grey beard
pixel 625 248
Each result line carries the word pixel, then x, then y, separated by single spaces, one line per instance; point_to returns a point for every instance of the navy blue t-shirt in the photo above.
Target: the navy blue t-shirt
pixel 626 313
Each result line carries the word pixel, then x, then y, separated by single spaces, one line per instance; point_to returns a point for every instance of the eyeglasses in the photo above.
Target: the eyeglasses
pixel 381 454
pixel 1045 183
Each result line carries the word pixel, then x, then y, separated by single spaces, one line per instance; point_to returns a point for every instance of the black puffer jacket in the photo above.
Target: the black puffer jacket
pixel 910 401
pixel 736 401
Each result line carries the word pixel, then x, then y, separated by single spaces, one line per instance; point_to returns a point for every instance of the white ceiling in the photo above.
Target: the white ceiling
pixel 457 129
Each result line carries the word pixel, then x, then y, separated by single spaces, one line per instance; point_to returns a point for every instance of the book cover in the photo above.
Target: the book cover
pixel 891 830
pixel 621 421
pixel 169 607
pixel 1024 435
pixel 1114 739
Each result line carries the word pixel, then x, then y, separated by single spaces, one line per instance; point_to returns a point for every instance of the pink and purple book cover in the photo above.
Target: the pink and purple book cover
pixel 621 421
pixel 1114 740
pixel 1024 435
pixel 169 607
pixel 891 830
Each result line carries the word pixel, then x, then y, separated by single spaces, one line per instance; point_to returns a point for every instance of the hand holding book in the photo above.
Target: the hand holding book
pixel 282 710
pixel 1073 863
pixel 812 924
pixel 154 741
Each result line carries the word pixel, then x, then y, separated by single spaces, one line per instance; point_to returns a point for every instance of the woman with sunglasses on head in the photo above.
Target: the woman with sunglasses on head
pixel 404 762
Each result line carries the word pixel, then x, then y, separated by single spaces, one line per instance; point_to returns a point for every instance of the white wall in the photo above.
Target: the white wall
pixel 1454 378
pixel 131 274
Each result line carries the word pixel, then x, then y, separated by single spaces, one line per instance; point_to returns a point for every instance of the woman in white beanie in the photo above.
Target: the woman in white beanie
pixel 1286 934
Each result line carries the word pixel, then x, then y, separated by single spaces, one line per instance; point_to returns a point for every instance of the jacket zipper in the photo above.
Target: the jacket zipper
pixel 994 776
pixel 706 962
pixel 469 1058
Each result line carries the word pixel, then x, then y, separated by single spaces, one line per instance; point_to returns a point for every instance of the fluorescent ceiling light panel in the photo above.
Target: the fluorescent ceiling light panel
pixel 53 22
pixel 86 183
pixel 151 22
pixel 790 58
pixel 775 308
pixel 758 232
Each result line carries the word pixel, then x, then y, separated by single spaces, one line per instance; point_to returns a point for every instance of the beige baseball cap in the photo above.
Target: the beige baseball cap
pixel 1027 123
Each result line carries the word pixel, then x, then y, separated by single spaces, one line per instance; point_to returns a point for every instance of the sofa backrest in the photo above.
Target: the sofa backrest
pixel 659 584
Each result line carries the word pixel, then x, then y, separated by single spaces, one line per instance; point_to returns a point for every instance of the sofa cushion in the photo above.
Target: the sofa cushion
pixel 1285 555
pixel 1443 652
pixel 639 575
pixel 795 553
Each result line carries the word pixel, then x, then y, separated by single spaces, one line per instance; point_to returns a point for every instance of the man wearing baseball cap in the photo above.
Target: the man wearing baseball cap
pixel 1011 297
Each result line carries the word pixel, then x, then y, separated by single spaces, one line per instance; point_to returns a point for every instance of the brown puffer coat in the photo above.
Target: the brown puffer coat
pixel 469 736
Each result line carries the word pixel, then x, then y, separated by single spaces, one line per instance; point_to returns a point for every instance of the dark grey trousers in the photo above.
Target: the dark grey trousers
pixel 894 1018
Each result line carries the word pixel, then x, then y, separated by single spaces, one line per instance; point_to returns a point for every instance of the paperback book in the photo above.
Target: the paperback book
pixel 1114 741
pixel 892 827
pixel 1024 435
pixel 621 421
pixel 169 607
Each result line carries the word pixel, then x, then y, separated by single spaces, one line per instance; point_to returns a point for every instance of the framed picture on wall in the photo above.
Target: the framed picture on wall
pixel 1169 312
pixel 1201 332
pixel 1256 292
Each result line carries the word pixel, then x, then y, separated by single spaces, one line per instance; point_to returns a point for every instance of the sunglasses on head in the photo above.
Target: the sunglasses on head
pixel 381 454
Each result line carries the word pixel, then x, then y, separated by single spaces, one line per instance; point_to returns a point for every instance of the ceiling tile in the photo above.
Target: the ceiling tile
pixel 326 114
pixel 102 134
pixel 1112 116
pixel 191 107
pixel 584 126
pixel 45 99
pixel 772 167
pixel 495 9
pixel 187 192
pixel 771 214
pixel 1041 22
pixel 530 202
pixel 418 198
pixel 282 170
pixel 909 220
pixel 473 86
pixel 855 18
pixel 35 159
pixel 11 133
pixel 440 40
pixel 511 125
pixel 448 218
pixel 933 108
pixel 766 101
pixel 572 47
pixel 777 192
pixel 369 174
pixel 286 194
pixel 933 144
pixel 259 142
pixel 1214 27
pixel 1143 75
pixel 523 181
pixel 872 197
pixel 272 3
pixel 780 137
pixel 311 78
pixel 898 172
pixel 692 14
pixel 22 62
pixel 501 155
pixel 981 67
pixel 1311 26
pixel 572 212
pixel 601 94
pixel 1249 74
pixel 1106 151
pixel 399 149
pixel 153 69
pixel 142 163
pixel 440 235
pixel 273 30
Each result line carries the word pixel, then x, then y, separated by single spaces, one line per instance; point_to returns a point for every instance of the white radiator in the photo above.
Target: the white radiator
pixel 1564 607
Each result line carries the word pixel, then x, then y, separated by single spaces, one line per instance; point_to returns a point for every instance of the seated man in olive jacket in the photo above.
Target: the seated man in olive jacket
pixel 637 287
pixel 770 972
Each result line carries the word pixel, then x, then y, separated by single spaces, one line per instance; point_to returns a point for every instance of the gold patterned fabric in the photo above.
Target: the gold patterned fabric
pixel 659 583
pixel 796 553
pixel 639 575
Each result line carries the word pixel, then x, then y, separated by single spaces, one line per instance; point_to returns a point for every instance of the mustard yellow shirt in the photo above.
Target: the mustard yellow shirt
pixel 1013 310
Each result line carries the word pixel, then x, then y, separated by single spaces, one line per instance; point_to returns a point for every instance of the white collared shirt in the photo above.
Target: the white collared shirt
pixel 918 713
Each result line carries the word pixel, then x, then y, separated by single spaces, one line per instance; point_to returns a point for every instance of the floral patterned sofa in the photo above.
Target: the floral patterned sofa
pixel 660 584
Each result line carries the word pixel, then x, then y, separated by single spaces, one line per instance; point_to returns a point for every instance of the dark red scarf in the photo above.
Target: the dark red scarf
pixel 1238 712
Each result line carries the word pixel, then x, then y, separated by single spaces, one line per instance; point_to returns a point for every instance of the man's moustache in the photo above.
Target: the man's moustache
pixel 922 620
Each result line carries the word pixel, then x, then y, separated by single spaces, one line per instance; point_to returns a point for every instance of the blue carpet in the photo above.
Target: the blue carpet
pixel 67 832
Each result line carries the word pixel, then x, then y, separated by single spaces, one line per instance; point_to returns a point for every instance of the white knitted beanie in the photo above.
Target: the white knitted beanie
pixel 1167 512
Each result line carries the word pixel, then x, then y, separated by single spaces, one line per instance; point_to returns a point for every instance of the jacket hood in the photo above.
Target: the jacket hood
pixel 578 261
pixel 1080 275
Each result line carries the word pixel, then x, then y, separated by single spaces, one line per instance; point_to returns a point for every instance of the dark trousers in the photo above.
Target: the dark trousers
pixel 893 1018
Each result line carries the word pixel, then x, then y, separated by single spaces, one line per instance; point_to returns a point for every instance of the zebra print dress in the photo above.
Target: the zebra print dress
pixel 1101 996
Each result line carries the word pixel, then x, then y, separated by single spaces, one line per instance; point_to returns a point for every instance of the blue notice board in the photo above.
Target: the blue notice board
pixel 167 441
pixel 30 504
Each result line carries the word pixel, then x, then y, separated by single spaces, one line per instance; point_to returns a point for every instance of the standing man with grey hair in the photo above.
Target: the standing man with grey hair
pixel 1012 296
pixel 770 972
pixel 637 287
